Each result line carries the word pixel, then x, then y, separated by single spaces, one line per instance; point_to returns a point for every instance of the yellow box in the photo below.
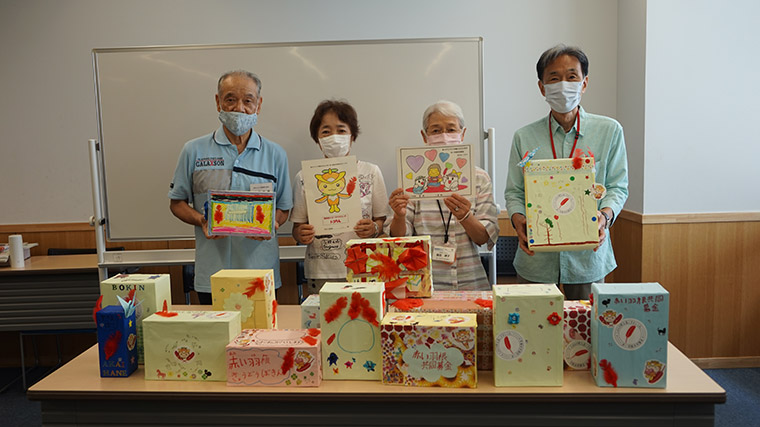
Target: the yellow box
pixel 251 292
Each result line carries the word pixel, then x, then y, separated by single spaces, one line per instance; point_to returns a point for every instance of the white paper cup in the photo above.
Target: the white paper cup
pixel 16 244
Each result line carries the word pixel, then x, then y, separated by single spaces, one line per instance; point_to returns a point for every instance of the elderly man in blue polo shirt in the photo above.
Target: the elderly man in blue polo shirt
pixel 562 79
pixel 233 157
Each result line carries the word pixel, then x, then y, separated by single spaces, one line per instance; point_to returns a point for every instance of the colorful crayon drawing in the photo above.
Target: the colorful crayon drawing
pixel 331 183
pixel 240 213
pixel 332 194
pixel 435 173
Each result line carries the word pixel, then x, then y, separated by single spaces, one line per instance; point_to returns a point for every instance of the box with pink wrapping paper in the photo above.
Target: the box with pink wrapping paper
pixel 275 357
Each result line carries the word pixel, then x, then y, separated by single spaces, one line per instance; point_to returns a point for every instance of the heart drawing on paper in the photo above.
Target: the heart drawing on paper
pixel 461 162
pixel 409 175
pixel 464 180
pixel 415 162
pixel 449 165
pixel 444 156
pixel 430 154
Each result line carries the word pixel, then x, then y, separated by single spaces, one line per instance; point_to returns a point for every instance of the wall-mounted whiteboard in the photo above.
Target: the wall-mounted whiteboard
pixel 151 100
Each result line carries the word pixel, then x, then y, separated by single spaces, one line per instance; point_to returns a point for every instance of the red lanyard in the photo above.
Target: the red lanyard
pixel 577 132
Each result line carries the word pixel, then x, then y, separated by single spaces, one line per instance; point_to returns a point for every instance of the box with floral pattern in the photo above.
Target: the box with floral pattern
pixel 479 303
pixel 430 349
pixel 251 292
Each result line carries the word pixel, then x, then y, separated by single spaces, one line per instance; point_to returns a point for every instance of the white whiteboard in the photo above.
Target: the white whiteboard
pixel 151 100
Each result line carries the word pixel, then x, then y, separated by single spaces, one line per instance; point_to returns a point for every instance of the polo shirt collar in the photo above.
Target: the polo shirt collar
pixel 254 142
pixel 556 126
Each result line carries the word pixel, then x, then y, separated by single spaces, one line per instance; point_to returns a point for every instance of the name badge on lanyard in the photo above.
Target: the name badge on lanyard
pixel 446 252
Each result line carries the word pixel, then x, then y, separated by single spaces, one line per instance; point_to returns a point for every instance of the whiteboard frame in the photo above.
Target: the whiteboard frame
pixel 484 151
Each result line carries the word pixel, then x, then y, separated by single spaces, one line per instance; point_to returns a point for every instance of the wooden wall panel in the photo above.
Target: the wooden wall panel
pixel 711 270
pixel 626 237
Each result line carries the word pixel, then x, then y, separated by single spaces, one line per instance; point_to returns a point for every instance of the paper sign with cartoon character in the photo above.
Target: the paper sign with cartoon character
pixel 435 172
pixel 332 202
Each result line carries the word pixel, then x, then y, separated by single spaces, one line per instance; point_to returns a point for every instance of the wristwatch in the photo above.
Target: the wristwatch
pixel 608 219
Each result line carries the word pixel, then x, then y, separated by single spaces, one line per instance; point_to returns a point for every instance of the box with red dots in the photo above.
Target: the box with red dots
pixel 577 335
pixel 561 204
pixel 527 335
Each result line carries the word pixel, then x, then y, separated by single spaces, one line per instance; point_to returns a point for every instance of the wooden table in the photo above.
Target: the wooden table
pixel 75 394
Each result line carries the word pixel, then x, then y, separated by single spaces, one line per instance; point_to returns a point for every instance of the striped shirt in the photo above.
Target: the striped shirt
pixel 423 217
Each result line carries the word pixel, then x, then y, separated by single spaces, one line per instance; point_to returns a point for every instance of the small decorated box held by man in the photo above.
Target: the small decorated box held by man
pixel 629 335
pixel 117 341
pixel 350 321
pixel 430 349
pixel 310 312
pixel 403 263
pixel 189 345
pixel 148 291
pixel 275 357
pixel 240 213
pixel 479 303
pixel 577 335
pixel 527 330
pixel 561 204
pixel 251 292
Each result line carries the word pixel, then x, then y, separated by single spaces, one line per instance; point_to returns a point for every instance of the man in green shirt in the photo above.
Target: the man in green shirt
pixel 562 79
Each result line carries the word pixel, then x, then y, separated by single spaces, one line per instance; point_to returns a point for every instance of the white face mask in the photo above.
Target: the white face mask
pixel 336 145
pixel 444 139
pixel 238 123
pixel 563 96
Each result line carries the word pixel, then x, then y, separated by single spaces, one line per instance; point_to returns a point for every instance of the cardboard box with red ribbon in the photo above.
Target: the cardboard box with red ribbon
pixel 402 263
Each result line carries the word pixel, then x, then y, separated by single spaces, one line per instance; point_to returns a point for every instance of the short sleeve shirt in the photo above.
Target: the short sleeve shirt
pixel 212 162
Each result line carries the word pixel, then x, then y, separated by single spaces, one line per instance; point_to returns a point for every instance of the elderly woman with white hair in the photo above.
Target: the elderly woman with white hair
pixel 456 261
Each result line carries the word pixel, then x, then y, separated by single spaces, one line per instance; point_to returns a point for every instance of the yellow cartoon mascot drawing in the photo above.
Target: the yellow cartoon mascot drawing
pixel 331 184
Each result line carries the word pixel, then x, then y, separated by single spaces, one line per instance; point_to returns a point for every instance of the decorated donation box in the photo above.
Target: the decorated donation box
pixel 240 213
pixel 629 335
pixel 189 345
pixel 403 263
pixel 561 204
pixel 310 312
pixel 479 303
pixel 350 321
pixel 577 335
pixel 429 349
pixel 275 357
pixel 148 291
pixel 251 292
pixel 117 340
pixel 527 330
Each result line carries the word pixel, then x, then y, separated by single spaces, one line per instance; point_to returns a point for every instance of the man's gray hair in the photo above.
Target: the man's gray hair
pixel 555 52
pixel 444 108
pixel 242 73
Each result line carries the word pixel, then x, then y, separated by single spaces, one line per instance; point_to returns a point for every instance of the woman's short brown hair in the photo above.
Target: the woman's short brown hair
pixel 343 110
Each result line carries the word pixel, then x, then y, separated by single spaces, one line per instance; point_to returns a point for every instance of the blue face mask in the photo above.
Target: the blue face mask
pixel 238 123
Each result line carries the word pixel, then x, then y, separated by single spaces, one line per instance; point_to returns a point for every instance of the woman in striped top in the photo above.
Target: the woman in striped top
pixel 475 216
